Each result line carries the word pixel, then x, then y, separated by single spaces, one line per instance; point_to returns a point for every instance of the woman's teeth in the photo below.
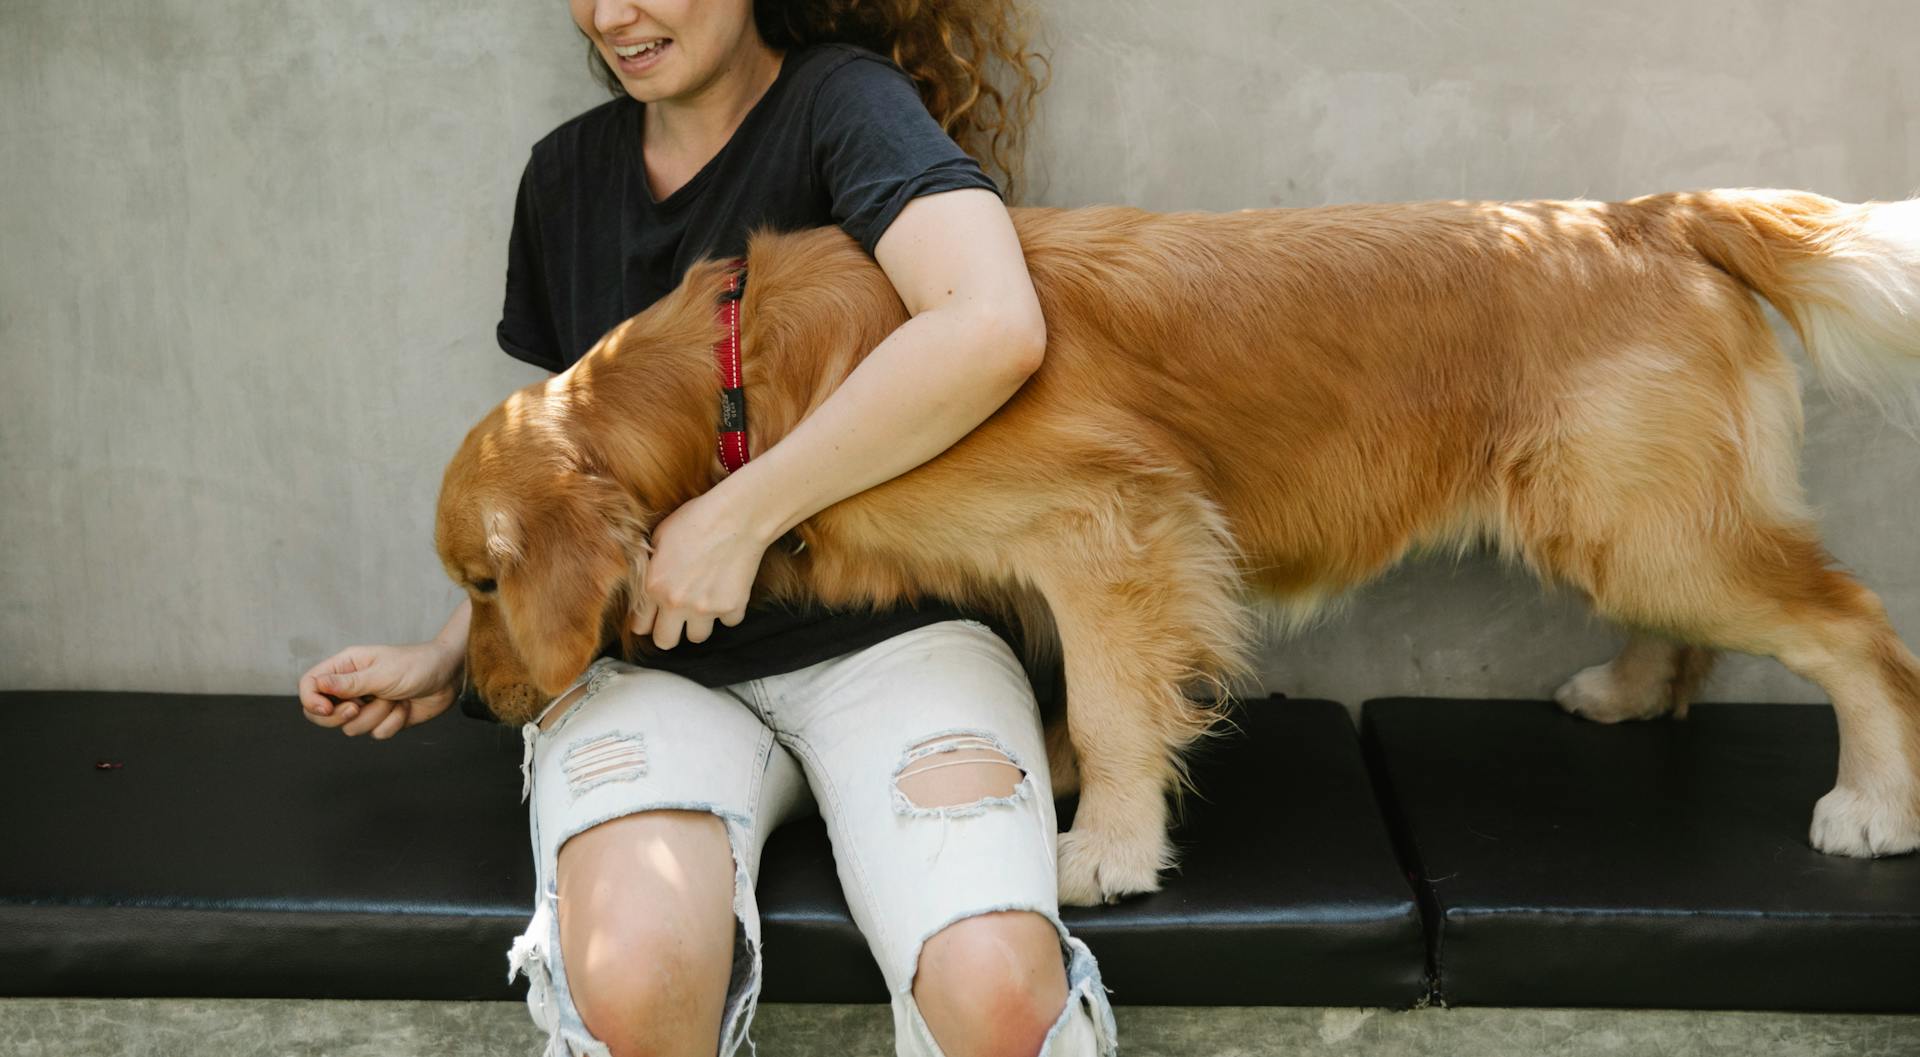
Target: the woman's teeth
pixel 638 49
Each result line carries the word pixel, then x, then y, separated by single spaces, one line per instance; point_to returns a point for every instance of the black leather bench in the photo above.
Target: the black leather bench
pixel 175 845
pixel 178 845
pixel 1665 864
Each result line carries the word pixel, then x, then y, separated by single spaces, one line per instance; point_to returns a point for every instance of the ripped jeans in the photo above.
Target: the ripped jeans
pixel 848 729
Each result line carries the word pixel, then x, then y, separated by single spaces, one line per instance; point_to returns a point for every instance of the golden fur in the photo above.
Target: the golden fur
pixel 1272 404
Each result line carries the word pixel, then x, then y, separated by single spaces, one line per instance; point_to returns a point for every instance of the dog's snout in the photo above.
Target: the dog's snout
pixel 472 704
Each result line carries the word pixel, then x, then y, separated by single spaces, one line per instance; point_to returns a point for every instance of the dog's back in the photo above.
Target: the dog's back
pixel 1351 381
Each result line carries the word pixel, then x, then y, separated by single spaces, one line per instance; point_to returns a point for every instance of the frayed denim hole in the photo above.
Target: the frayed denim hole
pixel 745 976
pixel 984 751
pixel 613 756
pixel 1084 986
pixel 579 1045
pixel 590 683
pixel 529 956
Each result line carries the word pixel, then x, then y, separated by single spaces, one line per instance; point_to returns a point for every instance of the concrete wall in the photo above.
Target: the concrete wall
pixel 251 256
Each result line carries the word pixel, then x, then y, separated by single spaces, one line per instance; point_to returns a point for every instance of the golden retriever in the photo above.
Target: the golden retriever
pixel 1278 405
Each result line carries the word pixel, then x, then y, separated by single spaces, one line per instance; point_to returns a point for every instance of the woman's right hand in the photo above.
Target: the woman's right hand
pixel 381 689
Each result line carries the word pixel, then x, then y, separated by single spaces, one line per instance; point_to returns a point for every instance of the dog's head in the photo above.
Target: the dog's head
pixel 544 512
pixel 548 547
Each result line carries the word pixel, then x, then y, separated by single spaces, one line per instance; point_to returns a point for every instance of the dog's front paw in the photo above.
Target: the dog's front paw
pixel 1853 824
pixel 1600 694
pixel 1095 868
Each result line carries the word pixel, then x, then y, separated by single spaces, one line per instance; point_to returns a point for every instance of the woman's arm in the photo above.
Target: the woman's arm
pixel 974 337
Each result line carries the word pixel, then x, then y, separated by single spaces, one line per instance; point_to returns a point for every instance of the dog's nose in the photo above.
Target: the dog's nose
pixel 472 704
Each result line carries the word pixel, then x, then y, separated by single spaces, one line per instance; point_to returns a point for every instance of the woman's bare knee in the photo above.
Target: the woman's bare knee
pixel 992 985
pixel 647 930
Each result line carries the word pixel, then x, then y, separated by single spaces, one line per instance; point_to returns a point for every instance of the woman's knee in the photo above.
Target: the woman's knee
pixel 992 985
pixel 647 930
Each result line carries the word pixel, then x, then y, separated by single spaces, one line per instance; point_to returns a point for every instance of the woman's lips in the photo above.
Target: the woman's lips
pixel 646 59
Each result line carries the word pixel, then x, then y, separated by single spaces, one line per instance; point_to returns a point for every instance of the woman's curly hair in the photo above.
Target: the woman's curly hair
pixel 970 59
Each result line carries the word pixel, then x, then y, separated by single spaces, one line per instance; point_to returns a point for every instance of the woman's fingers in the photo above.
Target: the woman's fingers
pixel 330 719
pixel 395 722
pixel 317 694
pixel 360 690
pixel 370 716
pixel 345 684
pixel 640 619
pixel 667 626
pixel 313 703
pixel 355 672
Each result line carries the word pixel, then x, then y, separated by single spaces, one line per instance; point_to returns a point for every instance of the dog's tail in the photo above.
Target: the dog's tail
pixel 1846 276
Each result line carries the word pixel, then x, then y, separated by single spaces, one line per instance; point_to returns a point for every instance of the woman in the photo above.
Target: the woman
pixel 653 789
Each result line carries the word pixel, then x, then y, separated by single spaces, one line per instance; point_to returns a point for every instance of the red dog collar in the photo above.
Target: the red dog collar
pixel 732 440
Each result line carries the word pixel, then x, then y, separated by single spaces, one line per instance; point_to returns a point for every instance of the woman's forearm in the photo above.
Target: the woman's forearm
pixel 974 336
pixel 928 384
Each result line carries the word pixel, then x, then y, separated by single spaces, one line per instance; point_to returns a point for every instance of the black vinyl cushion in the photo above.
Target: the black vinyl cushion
pixel 183 845
pixel 1663 864
pixel 186 845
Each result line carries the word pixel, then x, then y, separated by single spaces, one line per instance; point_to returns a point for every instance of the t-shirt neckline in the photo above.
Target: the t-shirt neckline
pixel 690 190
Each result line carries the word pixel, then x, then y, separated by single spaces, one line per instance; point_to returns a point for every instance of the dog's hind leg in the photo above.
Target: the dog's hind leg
pixel 1144 609
pixel 1664 484
pixel 1771 590
pixel 1651 676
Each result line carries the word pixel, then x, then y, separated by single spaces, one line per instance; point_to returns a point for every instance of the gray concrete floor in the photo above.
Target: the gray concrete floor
pixel 254 1028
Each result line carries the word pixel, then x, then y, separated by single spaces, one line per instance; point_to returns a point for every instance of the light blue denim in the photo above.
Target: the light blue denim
pixel 834 734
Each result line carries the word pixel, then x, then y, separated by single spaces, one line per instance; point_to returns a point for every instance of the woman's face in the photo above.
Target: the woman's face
pixel 668 49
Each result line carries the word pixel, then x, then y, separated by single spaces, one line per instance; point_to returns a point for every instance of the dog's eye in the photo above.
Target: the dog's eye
pixel 485 587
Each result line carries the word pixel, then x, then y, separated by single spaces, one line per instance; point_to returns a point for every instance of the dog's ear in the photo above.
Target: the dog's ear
pixel 564 559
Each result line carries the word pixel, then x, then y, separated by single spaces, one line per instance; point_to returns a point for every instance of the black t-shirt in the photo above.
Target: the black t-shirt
pixel 841 137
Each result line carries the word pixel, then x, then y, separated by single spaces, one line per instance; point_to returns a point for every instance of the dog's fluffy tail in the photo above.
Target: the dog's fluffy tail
pixel 1846 276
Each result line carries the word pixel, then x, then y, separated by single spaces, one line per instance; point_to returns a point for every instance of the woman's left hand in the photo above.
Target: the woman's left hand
pixel 705 557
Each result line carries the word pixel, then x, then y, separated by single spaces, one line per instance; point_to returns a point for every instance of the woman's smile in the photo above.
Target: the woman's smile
pixel 637 57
